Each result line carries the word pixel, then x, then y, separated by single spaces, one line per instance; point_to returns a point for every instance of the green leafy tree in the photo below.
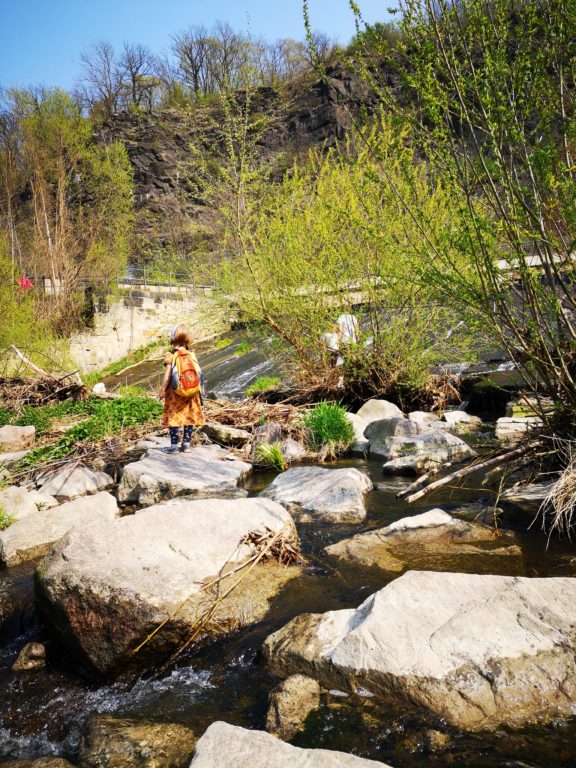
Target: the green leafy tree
pixel 488 95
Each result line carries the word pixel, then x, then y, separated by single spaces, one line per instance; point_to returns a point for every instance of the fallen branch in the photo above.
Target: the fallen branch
pixel 423 479
pixel 500 459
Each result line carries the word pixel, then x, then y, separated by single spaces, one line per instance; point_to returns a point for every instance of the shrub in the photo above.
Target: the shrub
pixel 262 384
pixel 329 429
pixel 270 456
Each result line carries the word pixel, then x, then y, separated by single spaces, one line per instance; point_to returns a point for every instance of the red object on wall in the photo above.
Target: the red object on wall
pixel 24 284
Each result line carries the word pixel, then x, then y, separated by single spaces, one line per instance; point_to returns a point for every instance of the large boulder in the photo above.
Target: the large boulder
pixel 106 587
pixel 14 438
pixel 315 493
pixel 206 470
pixel 229 746
pixel 112 742
pixel 289 704
pixel 427 420
pixel 31 536
pixel 436 541
pixel 472 651
pixel 375 410
pixel 435 446
pixel 66 484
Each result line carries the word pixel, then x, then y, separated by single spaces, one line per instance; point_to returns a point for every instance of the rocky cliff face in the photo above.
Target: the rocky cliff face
pixel 165 147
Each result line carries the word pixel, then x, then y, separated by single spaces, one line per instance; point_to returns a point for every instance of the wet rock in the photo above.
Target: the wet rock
pixel 436 741
pixel 433 540
pixel 16 438
pixel 32 656
pixel 435 446
pixel 204 471
pixel 105 588
pixel 382 432
pixel 376 410
pixel 225 435
pixel 39 762
pixel 315 493
pixel 228 746
pixel 32 536
pixel 111 742
pixel 407 466
pixel 19 502
pixel 528 406
pixel 361 444
pixel 472 651
pixel 289 704
pixel 66 484
pixel 6 607
pixel 526 499
pixel 514 430
pixel 462 421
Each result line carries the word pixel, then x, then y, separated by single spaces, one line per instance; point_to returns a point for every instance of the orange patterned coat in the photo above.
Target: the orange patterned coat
pixel 181 411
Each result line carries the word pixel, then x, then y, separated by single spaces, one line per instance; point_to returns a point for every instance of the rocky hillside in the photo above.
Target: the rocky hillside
pixel 163 148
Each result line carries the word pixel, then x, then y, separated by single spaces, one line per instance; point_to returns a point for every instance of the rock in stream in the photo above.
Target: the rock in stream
pixel 228 746
pixel 207 470
pixel 476 652
pixel 106 587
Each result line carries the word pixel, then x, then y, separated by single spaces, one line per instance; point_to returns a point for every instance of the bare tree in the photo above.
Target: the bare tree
pixel 193 50
pixel 102 78
pixel 138 74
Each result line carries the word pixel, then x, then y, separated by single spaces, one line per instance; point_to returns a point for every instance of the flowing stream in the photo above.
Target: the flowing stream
pixel 43 712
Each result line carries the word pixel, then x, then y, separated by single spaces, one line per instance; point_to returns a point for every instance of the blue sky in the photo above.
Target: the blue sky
pixel 41 40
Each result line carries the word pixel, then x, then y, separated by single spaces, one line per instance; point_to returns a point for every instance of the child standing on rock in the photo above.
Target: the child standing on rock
pixel 180 411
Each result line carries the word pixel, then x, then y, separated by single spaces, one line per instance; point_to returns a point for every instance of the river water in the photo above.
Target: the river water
pixel 43 712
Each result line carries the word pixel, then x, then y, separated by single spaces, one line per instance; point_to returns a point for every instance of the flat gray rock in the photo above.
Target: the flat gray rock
pixel 527 499
pixel 434 540
pixel 14 438
pixel 106 587
pixel 315 493
pixel 206 470
pixel 67 484
pixel 375 410
pixel 515 429
pixel 32 535
pixel 472 651
pixel 435 446
pixel 229 746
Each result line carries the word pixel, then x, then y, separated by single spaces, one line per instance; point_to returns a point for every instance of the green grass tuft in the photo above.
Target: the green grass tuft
pixel 270 456
pixel 243 348
pixel 222 343
pixel 328 427
pixel 262 384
